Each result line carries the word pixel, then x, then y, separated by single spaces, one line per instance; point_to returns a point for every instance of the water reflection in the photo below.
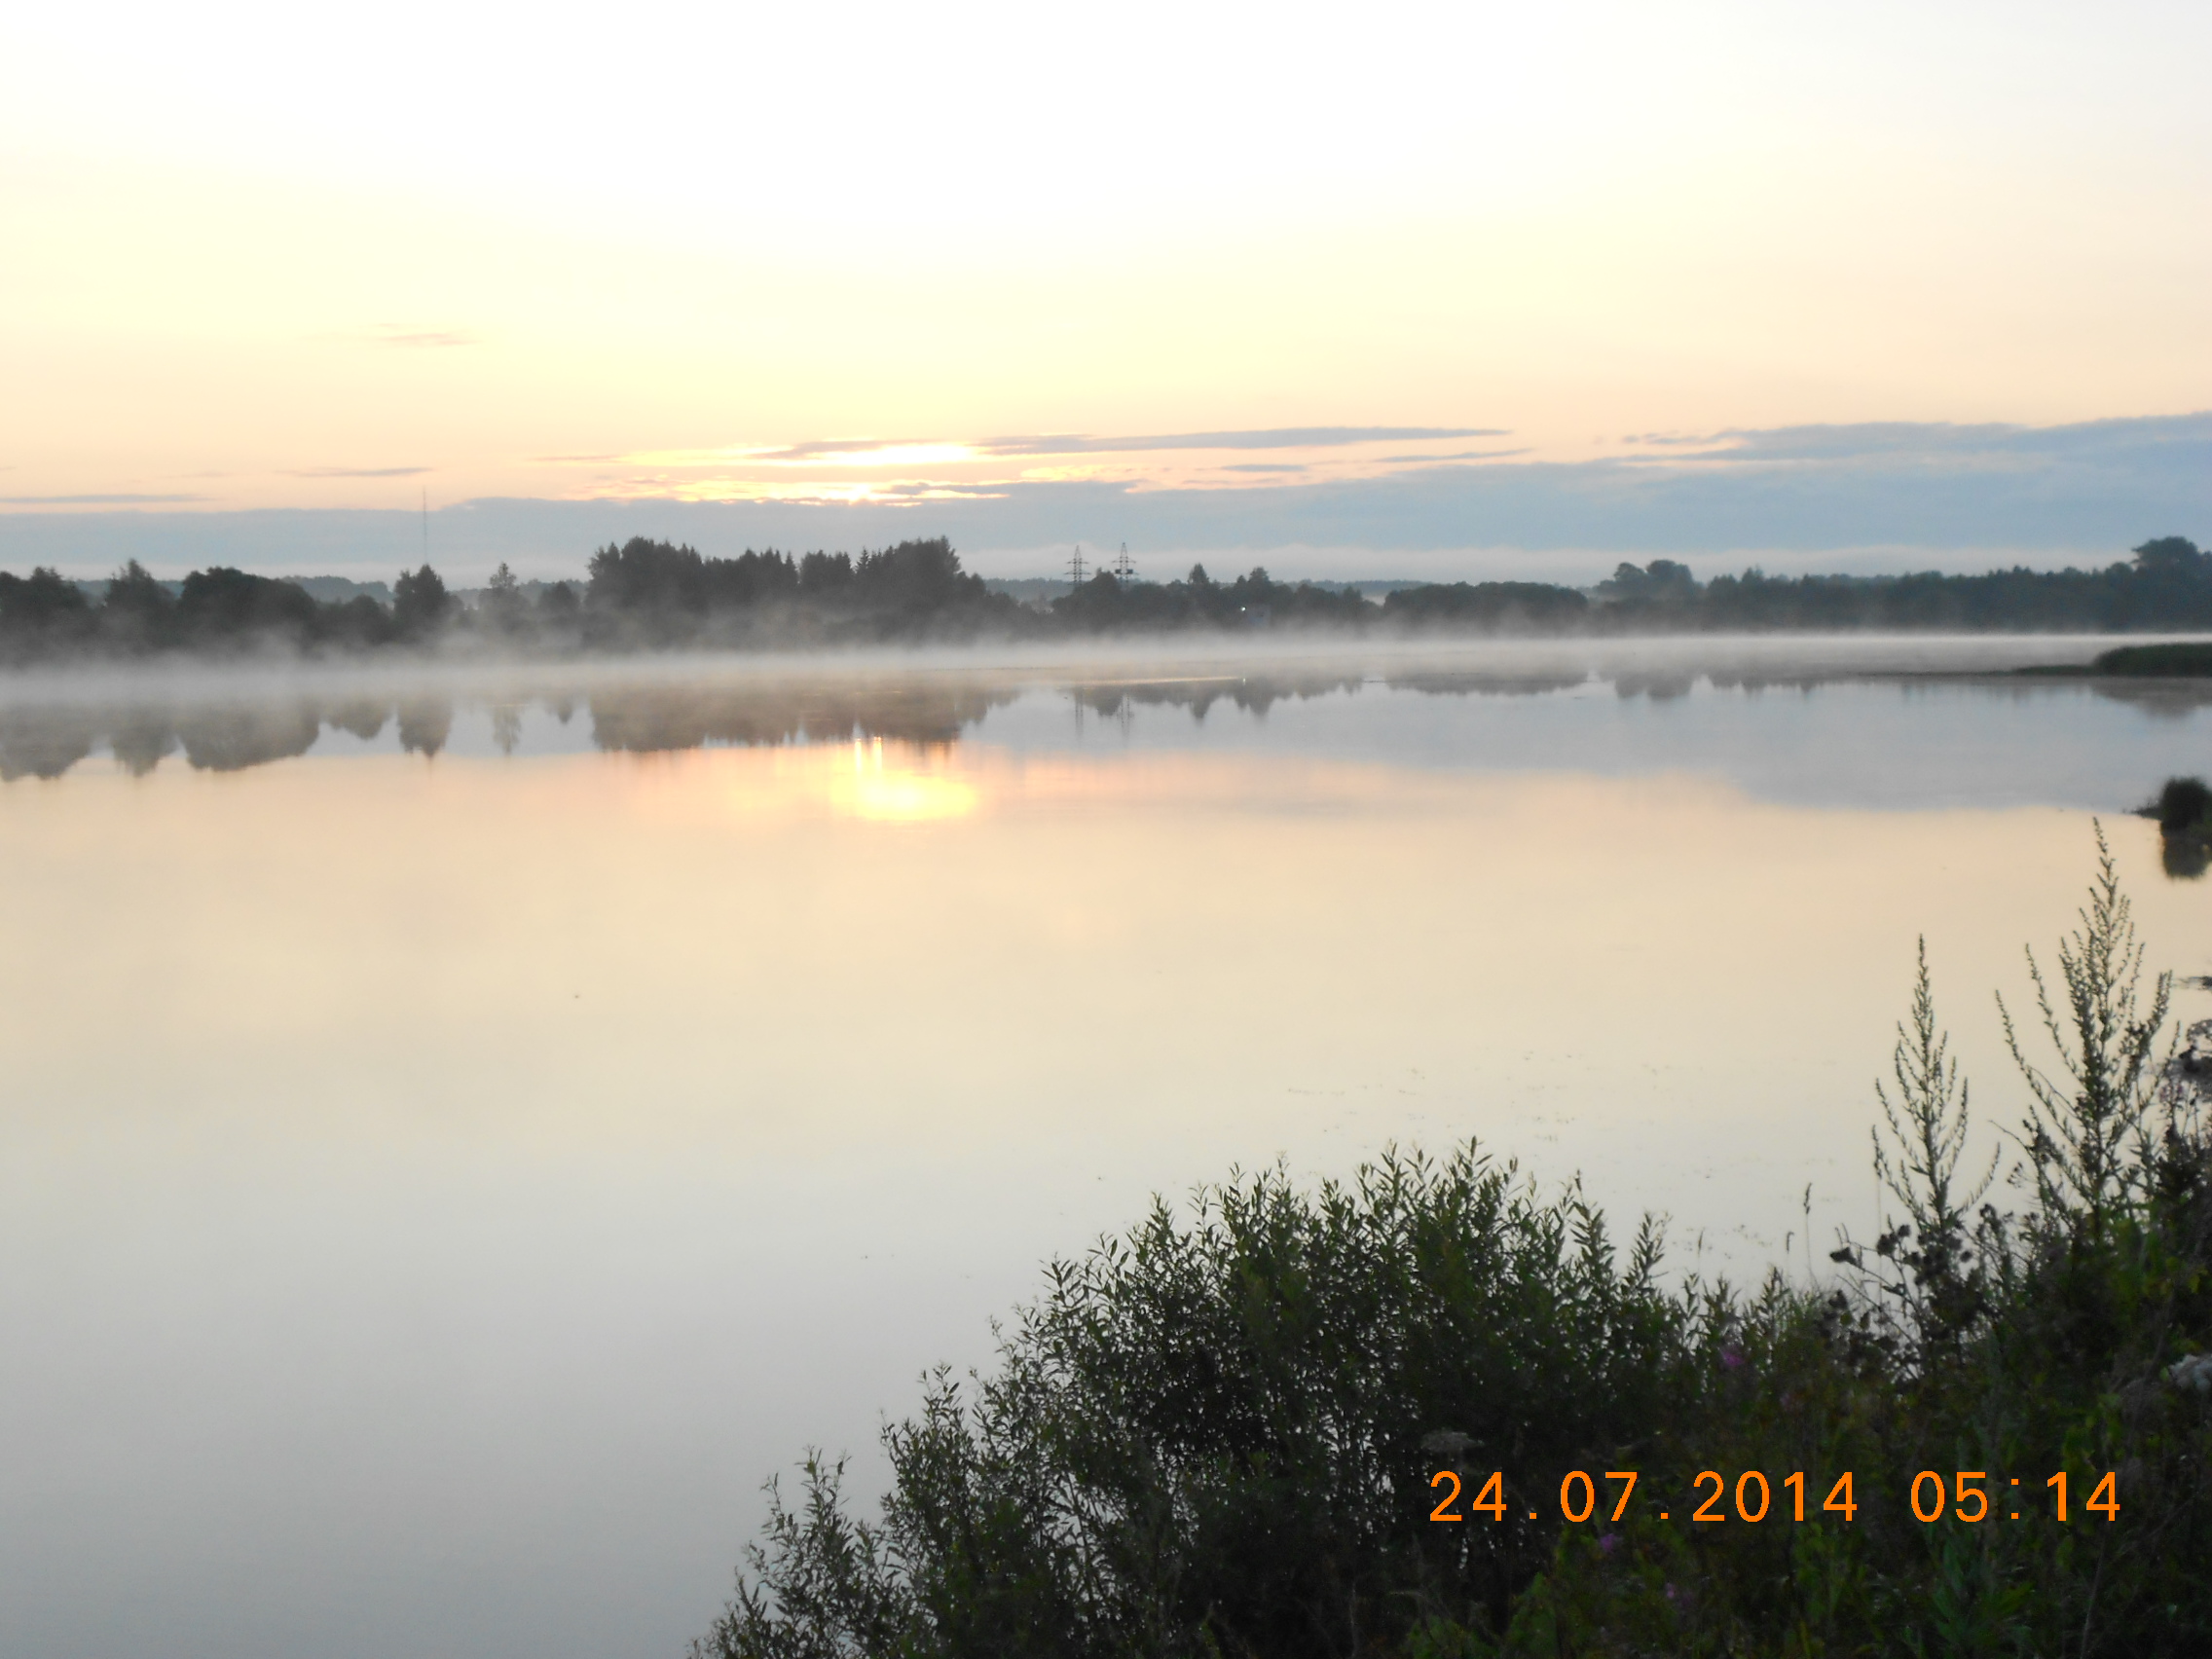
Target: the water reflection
pixel 45 740
pixel 649 719
pixel 425 724
pixel 1660 687
pixel 503 1167
pixel 1246 695
pixel 36 746
pixel 910 787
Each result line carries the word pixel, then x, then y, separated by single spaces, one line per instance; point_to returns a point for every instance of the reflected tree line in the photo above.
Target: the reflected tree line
pixel 47 740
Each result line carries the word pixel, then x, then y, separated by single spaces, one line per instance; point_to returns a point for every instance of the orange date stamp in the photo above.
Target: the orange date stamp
pixel 1964 1496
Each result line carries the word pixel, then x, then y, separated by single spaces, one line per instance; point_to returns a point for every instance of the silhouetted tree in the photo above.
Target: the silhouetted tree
pixel 558 604
pixel 419 602
pixel 504 608
pixel 645 576
pixel 1108 604
pixel 915 577
pixel 221 604
pixel 1663 581
pixel 2172 555
pixel 359 621
pixel 1488 606
pixel 138 611
pixel 2183 803
pixel 43 610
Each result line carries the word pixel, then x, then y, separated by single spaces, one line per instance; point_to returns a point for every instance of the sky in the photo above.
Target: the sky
pixel 1400 289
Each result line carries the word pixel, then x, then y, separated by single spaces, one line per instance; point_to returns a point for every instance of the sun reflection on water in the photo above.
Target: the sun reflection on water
pixel 909 787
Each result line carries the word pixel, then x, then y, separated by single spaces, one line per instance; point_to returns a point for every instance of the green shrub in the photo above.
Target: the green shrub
pixel 1217 1435
pixel 2183 804
pixel 2184 660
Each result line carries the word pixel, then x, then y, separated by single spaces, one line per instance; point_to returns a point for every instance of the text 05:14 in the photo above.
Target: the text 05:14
pixel 1931 1496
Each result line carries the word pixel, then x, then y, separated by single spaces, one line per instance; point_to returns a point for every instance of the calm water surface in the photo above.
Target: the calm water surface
pixel 461 1135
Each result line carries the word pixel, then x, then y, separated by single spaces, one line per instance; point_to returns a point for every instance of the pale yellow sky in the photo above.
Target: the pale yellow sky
pixel 255 258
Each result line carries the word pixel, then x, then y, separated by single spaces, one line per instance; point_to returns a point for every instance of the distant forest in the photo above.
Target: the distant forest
pixel 651 594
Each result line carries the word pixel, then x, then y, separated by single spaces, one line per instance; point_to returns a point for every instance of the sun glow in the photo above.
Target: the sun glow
pixel 905 789
pixel 837 455
pixel 887 492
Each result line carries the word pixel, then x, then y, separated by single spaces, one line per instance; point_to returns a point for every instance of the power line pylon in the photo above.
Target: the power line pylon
pixel 1076 571
pixel 1123 571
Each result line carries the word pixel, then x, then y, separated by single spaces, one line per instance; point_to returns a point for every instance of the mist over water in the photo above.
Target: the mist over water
pixel 466 1130
pixel 1865 738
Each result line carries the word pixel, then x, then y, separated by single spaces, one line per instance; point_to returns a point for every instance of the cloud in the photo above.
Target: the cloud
pixel 832 448
pixel 1887 495
pixel 910 452
pixel 360 472
pixel 97 501
pixel 1261 466
pixel 1860 441
pixel 1270 437
pixel 840 452
pixel 1457 454
pixel 1944 442
pixel 924 491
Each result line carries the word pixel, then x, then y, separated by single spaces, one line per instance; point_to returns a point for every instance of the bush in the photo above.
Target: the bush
pixel 2184 804
pixel 2186 660
pixel 1218 1436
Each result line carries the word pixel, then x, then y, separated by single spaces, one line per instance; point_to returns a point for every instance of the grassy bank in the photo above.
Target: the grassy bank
pixel 1227 1431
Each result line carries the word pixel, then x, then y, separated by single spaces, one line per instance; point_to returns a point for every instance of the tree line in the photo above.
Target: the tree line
pixel 2167 584
pixel 45 614
pixel 643 593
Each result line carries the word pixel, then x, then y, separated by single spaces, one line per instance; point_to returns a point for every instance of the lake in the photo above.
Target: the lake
pixel 465 1129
